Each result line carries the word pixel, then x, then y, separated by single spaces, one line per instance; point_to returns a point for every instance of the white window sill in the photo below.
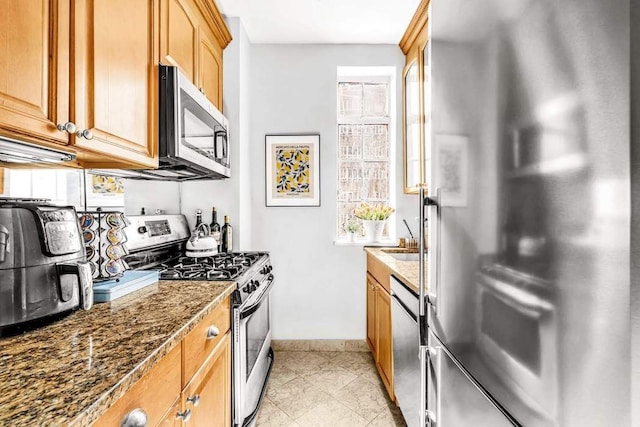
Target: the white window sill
pixel 384 243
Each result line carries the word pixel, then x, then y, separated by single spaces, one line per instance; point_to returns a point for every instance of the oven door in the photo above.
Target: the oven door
pixel 252 360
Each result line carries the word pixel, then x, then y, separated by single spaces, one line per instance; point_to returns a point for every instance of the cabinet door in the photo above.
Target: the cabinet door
pixel 383 331
pixel 179 35
pixel 371 312
pixel 153 394
pixel 210 64
pixel 413 175
pixel 115 83
pixel 34 69
pixel 211 388
pixel 171 419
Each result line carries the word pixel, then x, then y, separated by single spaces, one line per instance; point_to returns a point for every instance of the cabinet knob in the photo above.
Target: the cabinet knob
pixel 68 127
pixel 194 400
pixel 184 416
pixel 135 418
pixel 212 332
pixel 86 134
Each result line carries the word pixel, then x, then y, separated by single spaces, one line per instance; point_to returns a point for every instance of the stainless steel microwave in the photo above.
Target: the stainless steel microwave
pixel 194 135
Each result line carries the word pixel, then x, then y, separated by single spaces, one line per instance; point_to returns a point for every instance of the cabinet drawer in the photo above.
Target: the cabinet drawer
pixel 379 271
pixel 197 345
pixel 153 393
pixel 211 385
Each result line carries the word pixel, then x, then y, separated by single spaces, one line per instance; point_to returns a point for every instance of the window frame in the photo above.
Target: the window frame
pixel 369 75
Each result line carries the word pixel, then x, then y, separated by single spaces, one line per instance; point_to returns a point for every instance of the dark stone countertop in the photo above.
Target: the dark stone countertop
pixel 71 371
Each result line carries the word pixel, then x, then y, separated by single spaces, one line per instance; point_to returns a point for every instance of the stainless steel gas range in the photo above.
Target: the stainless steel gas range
pixel 158 241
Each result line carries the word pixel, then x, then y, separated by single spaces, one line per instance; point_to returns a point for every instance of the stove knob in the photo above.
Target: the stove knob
pixel 269 268
pixel 142 229
pixel 256 283
pixel 246 289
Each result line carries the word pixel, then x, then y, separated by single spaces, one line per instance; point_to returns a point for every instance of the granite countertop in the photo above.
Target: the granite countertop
pixel 406 271
pixel 71 371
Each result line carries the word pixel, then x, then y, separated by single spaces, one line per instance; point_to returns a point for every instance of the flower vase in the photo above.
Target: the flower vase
pixel 373 229
pixel 351 236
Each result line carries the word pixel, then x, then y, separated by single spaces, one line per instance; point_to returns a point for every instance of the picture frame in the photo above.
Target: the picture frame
pixel 103 191
pixel 292 170
pixel 452 170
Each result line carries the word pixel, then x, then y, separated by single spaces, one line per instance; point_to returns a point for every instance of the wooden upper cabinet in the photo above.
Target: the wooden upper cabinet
pixel 179 35
pixel 94 64
pixel 210 54
pixel 116 83
pixel 34 69
pixel 415 138
pixel 192 37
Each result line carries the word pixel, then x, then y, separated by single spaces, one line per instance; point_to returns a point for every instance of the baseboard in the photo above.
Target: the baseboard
pixel 319 345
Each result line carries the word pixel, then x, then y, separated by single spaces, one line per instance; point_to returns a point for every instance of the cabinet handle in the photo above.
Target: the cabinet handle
pixel 212 332
pixel 135 418
pixel 194 400
pixel 68 127
pixel 184 416
pixel 86 134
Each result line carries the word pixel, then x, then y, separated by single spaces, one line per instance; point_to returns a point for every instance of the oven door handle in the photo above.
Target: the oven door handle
pixel 248 311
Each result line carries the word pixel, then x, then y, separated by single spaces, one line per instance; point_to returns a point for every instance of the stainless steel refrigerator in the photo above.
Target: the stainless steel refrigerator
pixel 526 315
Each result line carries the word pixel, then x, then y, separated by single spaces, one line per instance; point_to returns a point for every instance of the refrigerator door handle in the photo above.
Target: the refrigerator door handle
pixel 433 204
pixel 431 419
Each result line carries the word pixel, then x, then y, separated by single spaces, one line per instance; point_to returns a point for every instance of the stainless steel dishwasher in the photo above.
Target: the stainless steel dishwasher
pixel 406 361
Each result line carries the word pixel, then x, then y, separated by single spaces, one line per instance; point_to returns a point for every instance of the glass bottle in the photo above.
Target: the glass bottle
pixel 215 227
pixel 227 236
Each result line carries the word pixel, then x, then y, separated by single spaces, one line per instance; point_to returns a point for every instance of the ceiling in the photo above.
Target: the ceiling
pixel 322 21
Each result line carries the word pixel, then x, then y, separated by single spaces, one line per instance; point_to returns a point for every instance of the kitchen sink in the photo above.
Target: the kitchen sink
pixel 404 256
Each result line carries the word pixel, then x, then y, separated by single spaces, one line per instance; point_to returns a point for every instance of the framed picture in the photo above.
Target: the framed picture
pixel 452 170
pixel 104 191
pixel 292 169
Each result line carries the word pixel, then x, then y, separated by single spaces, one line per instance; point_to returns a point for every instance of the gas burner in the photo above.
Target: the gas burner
pixel 217 267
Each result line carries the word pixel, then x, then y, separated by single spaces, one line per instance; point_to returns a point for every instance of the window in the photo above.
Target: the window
pixel 365 144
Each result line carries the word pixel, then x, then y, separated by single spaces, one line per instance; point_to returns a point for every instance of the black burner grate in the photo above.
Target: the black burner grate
pixel 218 267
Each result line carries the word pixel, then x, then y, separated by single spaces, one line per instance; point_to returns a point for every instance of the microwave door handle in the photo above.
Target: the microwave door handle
pixel 4 242
pixel 226 145
pixel 217 134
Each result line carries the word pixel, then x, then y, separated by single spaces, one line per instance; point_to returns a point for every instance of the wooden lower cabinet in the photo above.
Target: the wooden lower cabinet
pixel 170 419
pixel 379 336
pixel 211 389
pixel 152 394
pixel 371 314
pixel 171 396
pixel 383 333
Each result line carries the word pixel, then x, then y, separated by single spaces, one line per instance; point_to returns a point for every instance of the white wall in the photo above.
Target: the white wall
pixel 320 290
pixel 151 195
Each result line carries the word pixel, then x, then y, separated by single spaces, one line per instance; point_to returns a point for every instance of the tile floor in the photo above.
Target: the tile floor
pixel 332 389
